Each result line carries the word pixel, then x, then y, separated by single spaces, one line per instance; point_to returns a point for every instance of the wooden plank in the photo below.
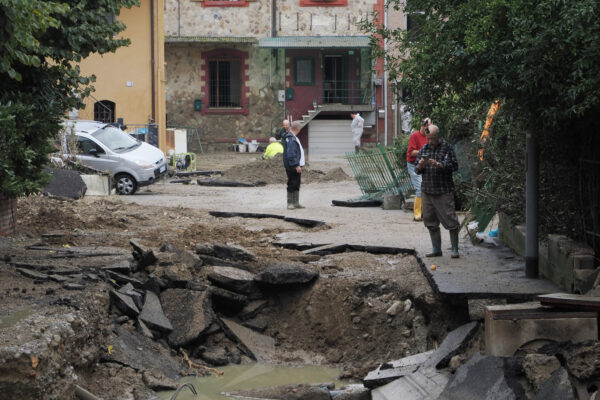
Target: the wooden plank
pixel 570 301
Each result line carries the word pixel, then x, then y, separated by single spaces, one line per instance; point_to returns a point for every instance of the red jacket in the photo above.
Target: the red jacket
pixel 415 142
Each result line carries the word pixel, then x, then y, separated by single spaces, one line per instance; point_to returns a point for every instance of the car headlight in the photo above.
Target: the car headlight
pixel 143 164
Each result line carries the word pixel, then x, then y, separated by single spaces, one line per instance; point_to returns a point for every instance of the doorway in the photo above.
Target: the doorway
pixel 334 83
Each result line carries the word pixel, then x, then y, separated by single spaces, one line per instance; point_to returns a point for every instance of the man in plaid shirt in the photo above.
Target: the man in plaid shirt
pixel 436 162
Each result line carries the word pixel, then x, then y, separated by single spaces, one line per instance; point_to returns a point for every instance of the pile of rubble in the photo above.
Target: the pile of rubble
pixel 271 171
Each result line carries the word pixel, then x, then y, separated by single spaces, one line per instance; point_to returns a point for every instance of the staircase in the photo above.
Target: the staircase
pixel 311 115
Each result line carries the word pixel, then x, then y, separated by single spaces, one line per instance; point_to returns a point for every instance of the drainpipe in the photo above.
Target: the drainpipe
pixel 178 17
pixel 152 61
pixel 395 116
pixel 385 77
pixel 273 18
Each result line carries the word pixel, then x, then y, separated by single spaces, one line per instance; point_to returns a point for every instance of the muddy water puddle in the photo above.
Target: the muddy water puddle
pixel 253 376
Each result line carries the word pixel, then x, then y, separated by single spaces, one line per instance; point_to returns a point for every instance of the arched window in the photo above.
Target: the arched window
pixel 104 111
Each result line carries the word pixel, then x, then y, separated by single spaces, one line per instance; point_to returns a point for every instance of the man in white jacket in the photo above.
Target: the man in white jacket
pixel 357 129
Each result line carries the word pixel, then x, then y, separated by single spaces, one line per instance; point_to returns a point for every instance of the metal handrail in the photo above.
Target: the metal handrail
pixel 346 92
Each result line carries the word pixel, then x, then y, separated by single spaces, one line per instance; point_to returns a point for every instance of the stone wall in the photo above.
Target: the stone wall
pixel 296 20
pixel 190 18
pixel 567 263
pixel 185 77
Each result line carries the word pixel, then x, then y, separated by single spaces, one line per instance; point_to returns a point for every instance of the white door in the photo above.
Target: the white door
pixel 329 138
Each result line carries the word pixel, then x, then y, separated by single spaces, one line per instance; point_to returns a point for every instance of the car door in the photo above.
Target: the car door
pixel 94 155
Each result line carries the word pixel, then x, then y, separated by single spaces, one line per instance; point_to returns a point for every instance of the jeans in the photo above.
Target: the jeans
pixel 414 178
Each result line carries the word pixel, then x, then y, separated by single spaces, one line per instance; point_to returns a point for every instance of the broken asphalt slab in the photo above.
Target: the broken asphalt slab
pixel 557 387
pixel 390 371
pixel 257 346
pixel 358 203
pixel 152 314
pixel 453 344
pixel 424 384
pixel 213 182
pixel 234 279
pixel 64 184
pixel 485 377
pixel 278 274
pixel 124 303
pixel 142 353
pixel 309 223
pixel 191 321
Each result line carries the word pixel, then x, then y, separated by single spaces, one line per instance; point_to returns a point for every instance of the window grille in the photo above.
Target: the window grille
pixel 225 83
pixel 104 111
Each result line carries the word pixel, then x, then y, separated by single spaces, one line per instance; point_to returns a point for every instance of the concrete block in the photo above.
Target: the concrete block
pixel 392 201
pixel 584 279
pixel 97 185
pixel 511 327
pixel 424 384
pixel 512 235
pixel 561 254
pixel 583 261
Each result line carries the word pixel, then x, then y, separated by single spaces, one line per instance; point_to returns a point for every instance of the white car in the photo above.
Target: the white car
pixel 104 147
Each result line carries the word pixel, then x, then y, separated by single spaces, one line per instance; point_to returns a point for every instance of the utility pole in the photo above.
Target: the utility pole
pixel 531 208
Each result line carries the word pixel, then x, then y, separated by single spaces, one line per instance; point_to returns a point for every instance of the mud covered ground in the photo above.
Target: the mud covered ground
pixel 54 334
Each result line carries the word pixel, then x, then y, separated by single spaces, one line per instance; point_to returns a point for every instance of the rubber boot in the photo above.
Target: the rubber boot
pixel 290 200
pixel 417 210
pixel 297 200
pixel 356 149
pixel 454 242
pixel 436 243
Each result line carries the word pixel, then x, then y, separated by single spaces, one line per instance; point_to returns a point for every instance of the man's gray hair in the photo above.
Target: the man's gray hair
pixel 296 126
pixel 433 130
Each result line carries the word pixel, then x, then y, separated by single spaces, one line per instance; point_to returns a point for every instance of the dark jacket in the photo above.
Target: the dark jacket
pixel 291 151
pixel 279 135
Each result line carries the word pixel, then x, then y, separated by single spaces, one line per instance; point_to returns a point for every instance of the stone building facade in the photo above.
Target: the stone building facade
pixel 238 68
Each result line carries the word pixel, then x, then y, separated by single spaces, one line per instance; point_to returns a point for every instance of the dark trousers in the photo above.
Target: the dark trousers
pixel 293 183
pixel 439 208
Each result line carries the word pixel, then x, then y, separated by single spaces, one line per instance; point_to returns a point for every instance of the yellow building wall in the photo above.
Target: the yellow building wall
pixel 125 77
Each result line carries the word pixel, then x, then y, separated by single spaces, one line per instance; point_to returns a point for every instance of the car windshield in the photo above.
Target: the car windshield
pixel 115 139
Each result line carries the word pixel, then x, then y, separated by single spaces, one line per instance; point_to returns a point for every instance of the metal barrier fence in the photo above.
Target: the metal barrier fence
pixel 145 132
pixel 379 172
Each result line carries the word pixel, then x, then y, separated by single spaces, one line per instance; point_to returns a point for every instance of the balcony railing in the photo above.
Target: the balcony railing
pixel 328 92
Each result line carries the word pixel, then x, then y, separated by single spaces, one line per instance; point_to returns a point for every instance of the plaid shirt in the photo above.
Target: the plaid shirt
pixel 438 180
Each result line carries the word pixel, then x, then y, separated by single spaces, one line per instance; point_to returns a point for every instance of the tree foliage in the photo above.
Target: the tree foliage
pixel 541 60
pixel 540 57
pixel 42 41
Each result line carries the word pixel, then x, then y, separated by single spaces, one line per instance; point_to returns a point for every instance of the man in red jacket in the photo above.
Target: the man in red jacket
pixel 416 141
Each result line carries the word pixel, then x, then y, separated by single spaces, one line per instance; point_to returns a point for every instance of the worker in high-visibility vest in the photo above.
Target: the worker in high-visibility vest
pixel 275 147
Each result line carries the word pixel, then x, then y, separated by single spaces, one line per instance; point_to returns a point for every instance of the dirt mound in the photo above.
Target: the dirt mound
pixel 272 172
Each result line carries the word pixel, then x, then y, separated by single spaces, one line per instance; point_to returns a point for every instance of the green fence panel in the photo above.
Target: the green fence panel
pixel 379 172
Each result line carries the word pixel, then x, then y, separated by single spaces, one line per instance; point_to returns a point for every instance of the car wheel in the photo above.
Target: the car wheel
pixel 125 184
